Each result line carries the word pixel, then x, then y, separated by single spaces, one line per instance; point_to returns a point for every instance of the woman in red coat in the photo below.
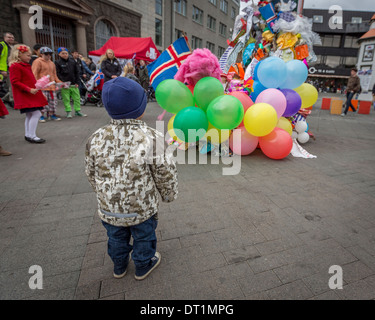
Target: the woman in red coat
pixel 27 98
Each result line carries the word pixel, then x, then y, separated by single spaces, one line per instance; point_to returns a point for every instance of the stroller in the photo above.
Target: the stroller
pixel 94 89
pixel 150 94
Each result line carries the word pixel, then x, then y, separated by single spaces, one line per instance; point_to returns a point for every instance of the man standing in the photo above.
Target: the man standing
pixel 143 75
pixel 68 71
pixel 354 86
pixel 5 48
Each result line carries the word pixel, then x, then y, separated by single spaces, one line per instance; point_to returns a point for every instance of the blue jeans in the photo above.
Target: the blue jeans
pixel 349 98
pixel 144 244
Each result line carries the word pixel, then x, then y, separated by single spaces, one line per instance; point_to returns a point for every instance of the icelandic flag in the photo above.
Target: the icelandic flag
pixel 167 65
pixel 98 76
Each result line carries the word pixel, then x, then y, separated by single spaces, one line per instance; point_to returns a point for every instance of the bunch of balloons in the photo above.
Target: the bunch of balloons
pixel 205 111
pixel 200 112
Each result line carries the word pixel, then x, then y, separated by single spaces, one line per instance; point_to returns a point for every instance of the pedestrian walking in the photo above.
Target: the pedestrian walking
pixel 354 86
pixel 67 71
pixel 5 49
pixel 127 174
pixel 42 67
pixel 110 66
pixel 3 113
pixel 27 98
pixel 143 75
pixel 373 96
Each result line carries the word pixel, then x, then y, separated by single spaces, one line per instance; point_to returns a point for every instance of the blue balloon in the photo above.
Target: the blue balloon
pixel 258 89
pixel 296 74
pixel 271 72
pixel 255 77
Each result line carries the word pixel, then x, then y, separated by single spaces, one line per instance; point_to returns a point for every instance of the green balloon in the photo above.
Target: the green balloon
pixel 173 96
pixel 190 119
pixel 225 112
pixel 206 90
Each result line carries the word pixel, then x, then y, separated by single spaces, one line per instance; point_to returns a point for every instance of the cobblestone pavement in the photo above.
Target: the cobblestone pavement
pixel 271 232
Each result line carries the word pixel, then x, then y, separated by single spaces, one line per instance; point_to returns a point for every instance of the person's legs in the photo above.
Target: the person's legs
pixel 119 247
pixel 76 99
pixel 27 122
pixel 65 95
pixel 349 97
pixel 33 123
pixel 144 254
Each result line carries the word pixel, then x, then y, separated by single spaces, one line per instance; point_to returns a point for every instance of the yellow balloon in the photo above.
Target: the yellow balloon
pixel 171 130
pixel 285 124
pixel 260 119
pixel 217 136
pixel 308 94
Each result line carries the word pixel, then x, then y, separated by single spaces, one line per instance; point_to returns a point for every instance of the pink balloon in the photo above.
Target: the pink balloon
pixel 244 99
pixel 275 98
pixel 246 146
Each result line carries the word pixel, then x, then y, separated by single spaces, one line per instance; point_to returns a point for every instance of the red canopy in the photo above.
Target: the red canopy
pixel 125 48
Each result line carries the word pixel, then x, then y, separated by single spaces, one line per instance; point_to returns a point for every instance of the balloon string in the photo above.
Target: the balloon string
pixel 160 118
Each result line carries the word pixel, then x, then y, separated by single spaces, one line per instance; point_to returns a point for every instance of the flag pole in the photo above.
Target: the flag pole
pixel 187 40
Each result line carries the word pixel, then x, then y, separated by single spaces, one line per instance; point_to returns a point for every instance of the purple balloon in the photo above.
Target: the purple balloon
pixel 294 102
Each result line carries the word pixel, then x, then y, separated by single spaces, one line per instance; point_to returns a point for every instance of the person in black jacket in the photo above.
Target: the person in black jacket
pixel 110 66
pixel 67 71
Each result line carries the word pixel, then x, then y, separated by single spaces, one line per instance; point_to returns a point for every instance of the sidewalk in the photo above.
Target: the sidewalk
pixel 271 232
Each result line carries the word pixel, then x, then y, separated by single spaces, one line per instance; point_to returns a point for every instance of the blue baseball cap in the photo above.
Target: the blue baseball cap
pixel 62 49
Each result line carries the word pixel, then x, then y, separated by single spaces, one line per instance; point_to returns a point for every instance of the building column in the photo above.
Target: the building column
pixel 28 34
pixel 81 37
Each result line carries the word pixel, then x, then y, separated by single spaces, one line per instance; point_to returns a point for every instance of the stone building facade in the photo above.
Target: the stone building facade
pixel 87 24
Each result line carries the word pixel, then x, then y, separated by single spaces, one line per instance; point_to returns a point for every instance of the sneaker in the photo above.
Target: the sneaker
pixel 120 276
pixel 79 114
pixel 42 119
pixel 55 118
pixel 143 274
pixel 69 115
pixel 343 114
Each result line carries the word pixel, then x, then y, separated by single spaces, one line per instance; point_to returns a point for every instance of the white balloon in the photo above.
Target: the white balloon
pixel 294 135
pixel 301 126
pixel 303 137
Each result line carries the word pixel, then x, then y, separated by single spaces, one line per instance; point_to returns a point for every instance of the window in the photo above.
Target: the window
pixel 331 40
pixel 103 31
pixel 180 7
pixel 223 29
pixel 158 32
pixel 350 62
pixel 333 61
pixel 197 15
pixel 356 19
pixel 211 23
pixel 210 46
pixel 351 42
pixel 317 19
pixel 159 7
pixel 224 6
pixel 214 2
pixel 233 13
pixel 178 34
pixel 196 42
pixel 220 51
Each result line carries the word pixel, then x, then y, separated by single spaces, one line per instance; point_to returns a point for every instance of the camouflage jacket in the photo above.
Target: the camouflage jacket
pixel 128 171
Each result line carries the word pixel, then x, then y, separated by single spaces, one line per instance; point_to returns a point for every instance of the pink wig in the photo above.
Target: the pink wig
pixel 200 64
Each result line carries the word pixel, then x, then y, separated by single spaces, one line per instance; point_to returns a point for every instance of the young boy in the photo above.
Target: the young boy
pixel 126 173
pixel 41 67
pixel 67 71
